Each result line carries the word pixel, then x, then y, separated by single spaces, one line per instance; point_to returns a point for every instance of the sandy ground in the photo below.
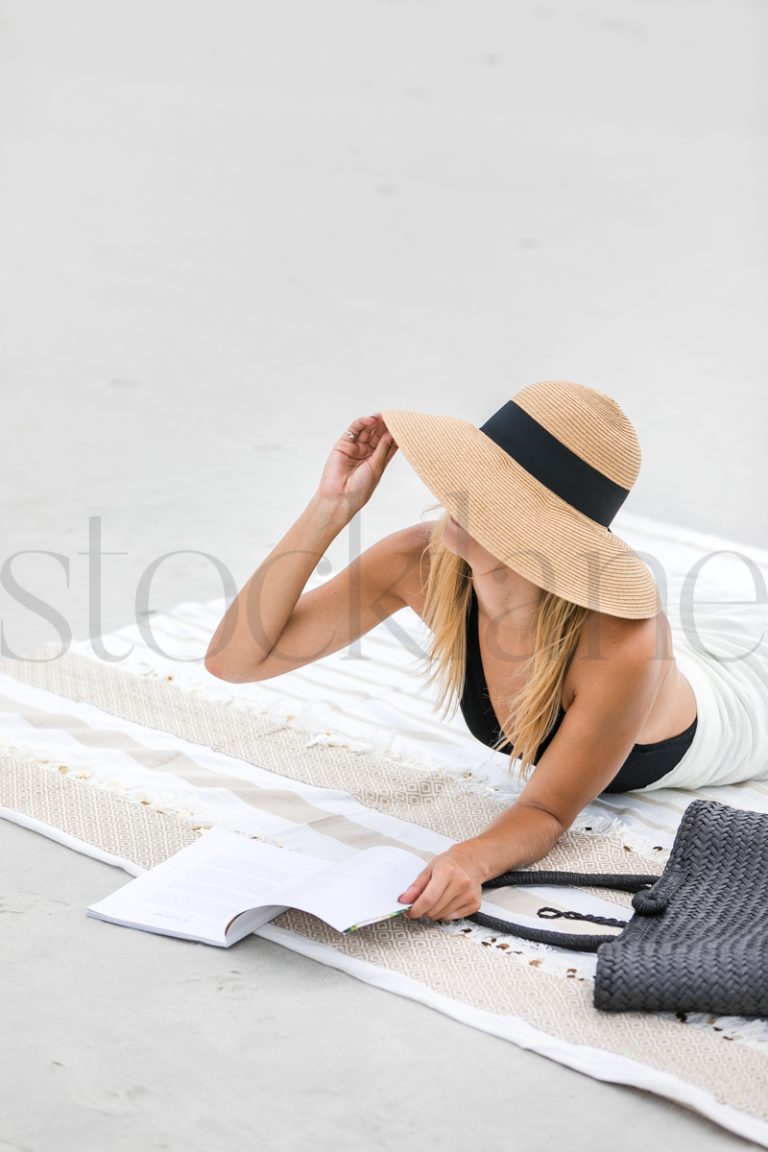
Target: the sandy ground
pixel 226 229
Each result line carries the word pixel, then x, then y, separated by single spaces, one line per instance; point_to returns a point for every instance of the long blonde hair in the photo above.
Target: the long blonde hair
pixel 534 709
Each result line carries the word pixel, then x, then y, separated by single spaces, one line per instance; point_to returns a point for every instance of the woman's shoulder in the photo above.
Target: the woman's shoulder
pixel 413 542
pixel 400 561
pixel 620 641
pixel 640 653
pixel 606 635
pixel 416 537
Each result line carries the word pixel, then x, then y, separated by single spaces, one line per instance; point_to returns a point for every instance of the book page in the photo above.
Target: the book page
pixel 201 889
pixel 359 890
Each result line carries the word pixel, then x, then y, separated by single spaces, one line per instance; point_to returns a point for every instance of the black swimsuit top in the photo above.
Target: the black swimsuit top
pixel 645 763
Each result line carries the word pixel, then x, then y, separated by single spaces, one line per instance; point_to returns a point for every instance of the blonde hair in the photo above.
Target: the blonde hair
pixel 534 709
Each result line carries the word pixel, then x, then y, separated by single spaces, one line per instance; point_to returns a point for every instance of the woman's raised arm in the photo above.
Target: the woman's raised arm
pixel 270 628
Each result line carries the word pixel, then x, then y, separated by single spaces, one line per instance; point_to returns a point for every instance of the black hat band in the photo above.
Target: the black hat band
pixel 554 465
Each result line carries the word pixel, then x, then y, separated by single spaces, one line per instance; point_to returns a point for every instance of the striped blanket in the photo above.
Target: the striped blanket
pixel 128 759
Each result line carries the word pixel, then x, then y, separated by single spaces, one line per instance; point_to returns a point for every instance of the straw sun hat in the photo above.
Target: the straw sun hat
pixel 537 485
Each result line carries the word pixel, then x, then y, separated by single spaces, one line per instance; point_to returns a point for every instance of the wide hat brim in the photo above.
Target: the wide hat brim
pixel 520 521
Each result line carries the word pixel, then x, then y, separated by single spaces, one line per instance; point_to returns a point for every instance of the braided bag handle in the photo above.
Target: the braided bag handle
pixel 584 942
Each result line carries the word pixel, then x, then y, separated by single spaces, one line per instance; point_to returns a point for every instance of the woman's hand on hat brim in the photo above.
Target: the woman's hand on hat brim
pixel 449 888
pixel 355 466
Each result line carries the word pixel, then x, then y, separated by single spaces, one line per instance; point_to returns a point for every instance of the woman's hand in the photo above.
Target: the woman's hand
pixel 355 467
pixel 449 888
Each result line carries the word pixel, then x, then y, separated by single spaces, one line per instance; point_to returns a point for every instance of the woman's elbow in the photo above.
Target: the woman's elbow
pixel 234 674
pixel 222 670
pixel 214 667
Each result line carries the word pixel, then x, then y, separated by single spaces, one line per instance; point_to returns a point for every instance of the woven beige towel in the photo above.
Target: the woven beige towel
pixel 502 981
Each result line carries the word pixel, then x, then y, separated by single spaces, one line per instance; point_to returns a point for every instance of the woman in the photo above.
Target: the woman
pixel 546 627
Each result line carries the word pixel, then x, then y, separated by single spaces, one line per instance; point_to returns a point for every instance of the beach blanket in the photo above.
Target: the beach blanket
pixel 128 759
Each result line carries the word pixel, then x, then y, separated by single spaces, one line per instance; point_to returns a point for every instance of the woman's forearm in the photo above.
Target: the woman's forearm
pixel 254 621
pixel 520 836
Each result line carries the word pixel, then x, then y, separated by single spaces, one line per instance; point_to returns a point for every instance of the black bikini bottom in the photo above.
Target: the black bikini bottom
pixel 647 763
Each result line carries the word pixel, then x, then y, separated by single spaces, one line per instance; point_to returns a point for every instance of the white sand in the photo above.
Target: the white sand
pixel 225 230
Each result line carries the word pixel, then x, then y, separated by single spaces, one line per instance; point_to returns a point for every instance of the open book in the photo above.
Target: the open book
pixel 224 886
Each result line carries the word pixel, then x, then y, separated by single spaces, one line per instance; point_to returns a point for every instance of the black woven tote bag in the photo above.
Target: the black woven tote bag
pixel 698 941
